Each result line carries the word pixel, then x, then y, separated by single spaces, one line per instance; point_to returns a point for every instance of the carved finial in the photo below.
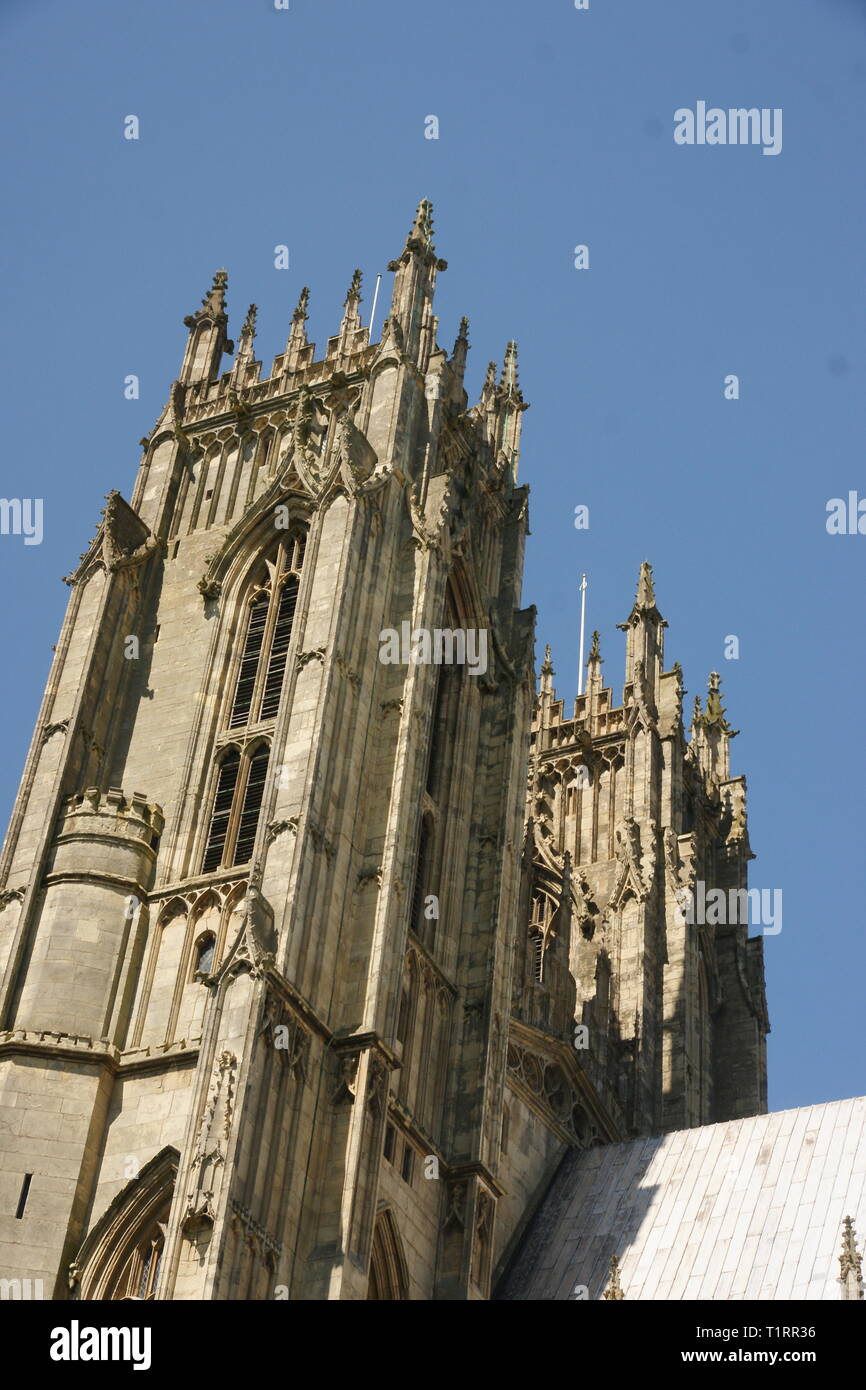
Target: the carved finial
pixel 595 649
pixel 460 352
pixel 411 325
pixel 422 227
pixel 714 698
pixel 248 333
pixel 300 313
pixel 420 236
pixel 298 333
pixel 850 1263
pixel 351 317
pixel 489 387
pixel 214 301
pixel 547 674
pixel 353 296
pixel 509 386
pixel 714 715
pixel 644 608
pixel 614 1288
pixel 213 306
pixel 646 596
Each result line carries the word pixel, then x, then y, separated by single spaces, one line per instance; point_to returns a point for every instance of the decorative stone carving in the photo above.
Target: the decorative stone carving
pixel 212 1143
pixel 369 875
pixel 303 658
pixel 643 705
pixel 551 1088
pixel 587 913
pixel 209 588
pixel 279 827
pixel 251 932
pixel 122 541
pixel 424 537
pixel 352 676
pixel 636 869
pixel 455 1211
pixel 355 456
pixel 348 1075
pixel 850 1263
pixel 614 1288
pixel 377 1085
pixel 49 730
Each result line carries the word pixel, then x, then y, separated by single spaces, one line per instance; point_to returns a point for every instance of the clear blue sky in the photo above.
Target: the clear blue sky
pixel 306 127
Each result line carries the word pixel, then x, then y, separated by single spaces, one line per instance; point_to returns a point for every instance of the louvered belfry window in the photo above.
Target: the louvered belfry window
pixel 250 661
pixel 252 804
pixel 242 766
pixel 227 781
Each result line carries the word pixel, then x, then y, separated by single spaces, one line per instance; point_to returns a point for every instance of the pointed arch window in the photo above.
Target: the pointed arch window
pixel 241 774
pixel 251 805
pixel 250 661
pixel 269 622
pixel 204 956
pixel 227 781
pixel 237 805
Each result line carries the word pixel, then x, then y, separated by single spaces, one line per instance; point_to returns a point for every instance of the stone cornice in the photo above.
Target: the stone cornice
pixel 317 378
pixel 460 1172
pixel 354 1044
pixel 37 1042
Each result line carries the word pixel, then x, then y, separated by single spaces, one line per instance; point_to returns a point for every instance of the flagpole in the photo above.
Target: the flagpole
pixel 373 310
pixel 582 629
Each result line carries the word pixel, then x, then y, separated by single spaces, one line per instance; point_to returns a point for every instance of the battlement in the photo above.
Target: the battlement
pixel 133 817
pixel 204 394
pixel 246 393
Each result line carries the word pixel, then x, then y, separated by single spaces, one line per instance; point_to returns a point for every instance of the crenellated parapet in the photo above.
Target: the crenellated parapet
pixel 108 833
pixel 336 422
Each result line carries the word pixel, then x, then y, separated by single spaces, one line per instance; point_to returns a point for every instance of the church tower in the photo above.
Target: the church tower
pixel 262 878
pixel 634 829
pixel 299 999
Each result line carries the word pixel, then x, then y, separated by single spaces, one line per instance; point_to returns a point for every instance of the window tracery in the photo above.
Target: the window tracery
pixel 242 766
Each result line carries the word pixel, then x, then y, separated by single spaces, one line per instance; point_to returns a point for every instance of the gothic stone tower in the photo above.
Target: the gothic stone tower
pixel 261 886
pixel 631 827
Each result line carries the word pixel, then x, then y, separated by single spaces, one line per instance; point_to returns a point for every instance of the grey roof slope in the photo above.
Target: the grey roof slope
pixel 747 1209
